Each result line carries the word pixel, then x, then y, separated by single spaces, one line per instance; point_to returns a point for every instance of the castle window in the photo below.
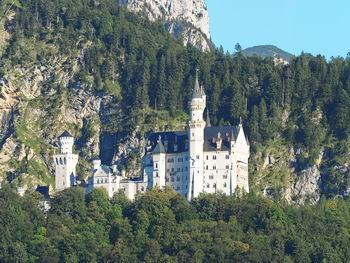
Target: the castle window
pixel 61 161
pixel 214 185
pixel 166 179
pixel 178 179
pixel 224 176
pixel 172 169
pixel 214 157
pixel 197 157
pixel 207 167
pixel 227 167
pixel 208 185
pixel 178 188
pixel 65 160
pixel 170 160
pixel 106 180
pixel 142 189
pixel 156 165
pixel 186 168
pixel 172 179
pixel 113 189
pixel 207 157
pixel 56 161
pixel 225 185
pixel 211 177
pixel 157 174
pixel 214 167
pixel 227 156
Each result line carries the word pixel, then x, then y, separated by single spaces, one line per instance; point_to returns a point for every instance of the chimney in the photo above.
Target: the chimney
pixel 219 141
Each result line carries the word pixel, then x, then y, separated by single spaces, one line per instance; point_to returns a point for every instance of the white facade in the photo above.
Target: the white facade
pixel 109 178
pixel 202 159
pixel 65 163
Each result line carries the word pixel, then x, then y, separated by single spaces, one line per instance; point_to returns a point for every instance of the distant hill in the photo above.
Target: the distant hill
pixel 267 51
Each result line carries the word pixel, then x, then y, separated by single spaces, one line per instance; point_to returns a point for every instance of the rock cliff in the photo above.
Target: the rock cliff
pixel 184 18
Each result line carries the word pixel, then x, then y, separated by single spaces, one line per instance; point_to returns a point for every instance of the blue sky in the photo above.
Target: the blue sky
pixel 317 27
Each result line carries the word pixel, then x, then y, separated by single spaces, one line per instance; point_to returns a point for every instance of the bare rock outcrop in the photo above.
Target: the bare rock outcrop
pixel 184 18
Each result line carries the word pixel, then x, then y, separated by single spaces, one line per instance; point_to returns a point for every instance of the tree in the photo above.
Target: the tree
pixel 238 48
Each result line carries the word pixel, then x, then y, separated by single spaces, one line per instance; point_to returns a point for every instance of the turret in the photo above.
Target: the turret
pixel 196 127
pixel 197 103
pixel 65 162
pixel 158 178
pixel 66 142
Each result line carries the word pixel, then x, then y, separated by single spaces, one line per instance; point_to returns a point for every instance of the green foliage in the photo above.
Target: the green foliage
pixel 161 226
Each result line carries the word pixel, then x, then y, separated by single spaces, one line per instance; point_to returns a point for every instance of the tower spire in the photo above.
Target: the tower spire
pixel 197 93
pixel 207 121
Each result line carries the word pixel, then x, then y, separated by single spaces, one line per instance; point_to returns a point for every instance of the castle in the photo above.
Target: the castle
pixel 201 159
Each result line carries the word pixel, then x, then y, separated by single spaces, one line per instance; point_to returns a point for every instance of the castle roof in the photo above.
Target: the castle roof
pixel 225 133
pixel 159 147
pixel 103 170
pixel 65 134
pixel 176 141
pixel 197 90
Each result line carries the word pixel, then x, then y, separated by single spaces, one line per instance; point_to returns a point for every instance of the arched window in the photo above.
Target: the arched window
pixel 142 189
pixel 208 186
pixel 61 161
pixel 56 159
pixel 65 160
pixel 106 180
pixel 214 185
pixel 98 181
pixel 225 185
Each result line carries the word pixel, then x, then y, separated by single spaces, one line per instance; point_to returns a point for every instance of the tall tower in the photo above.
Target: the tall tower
pixel 65 162
pixel 158 178
pixel 196 127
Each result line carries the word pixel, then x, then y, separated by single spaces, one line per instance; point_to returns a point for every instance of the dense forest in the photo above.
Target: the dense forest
pixel 304 104
pixel 161 226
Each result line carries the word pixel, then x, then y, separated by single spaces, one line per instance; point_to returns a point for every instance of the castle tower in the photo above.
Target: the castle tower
pixel 240 150
pixel 196 127
pixel 158 178
pixel 65 162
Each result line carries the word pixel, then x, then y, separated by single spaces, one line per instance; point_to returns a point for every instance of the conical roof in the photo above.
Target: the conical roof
pixel 159 147
pixel 197 92
pixel 65 134
pixel 207 121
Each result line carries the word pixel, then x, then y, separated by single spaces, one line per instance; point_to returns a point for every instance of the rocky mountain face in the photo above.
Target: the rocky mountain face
pixel 44 91
pixel 30 125
pixel 184 18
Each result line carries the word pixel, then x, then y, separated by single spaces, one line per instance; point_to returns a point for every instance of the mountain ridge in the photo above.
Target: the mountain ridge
pixel 267 51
